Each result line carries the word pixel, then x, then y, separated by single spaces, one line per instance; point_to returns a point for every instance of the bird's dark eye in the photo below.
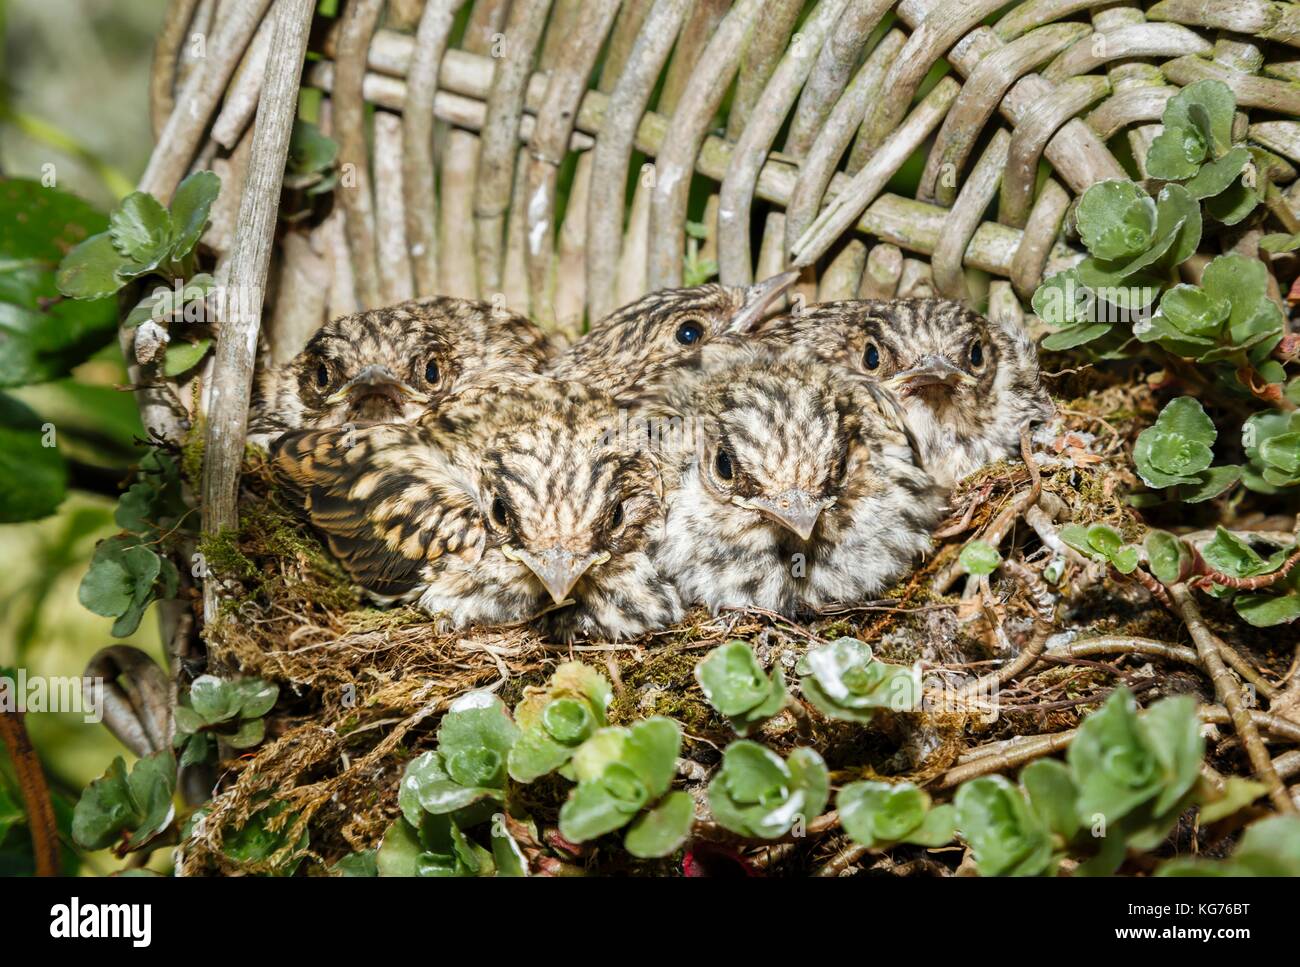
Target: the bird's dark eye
pixel 871 358
pixel 499 512
pixel 689 332
pixel 431 371
pixel 723 464
pixel 616 518
pixel 976 353
pixel 322 376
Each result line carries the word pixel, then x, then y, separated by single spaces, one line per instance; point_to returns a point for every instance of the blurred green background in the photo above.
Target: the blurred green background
pixel 74 95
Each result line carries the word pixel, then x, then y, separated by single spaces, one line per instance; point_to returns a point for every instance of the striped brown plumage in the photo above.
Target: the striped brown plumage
pixel 391 365
pixel 966 384
pixel 793 489
pixel 509 504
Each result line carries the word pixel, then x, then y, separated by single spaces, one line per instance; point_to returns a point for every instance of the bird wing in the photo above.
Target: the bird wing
pixel 387 500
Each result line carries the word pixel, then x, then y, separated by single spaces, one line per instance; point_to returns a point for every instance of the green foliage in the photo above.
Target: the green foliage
pixel 1278 603
pixel 556 720
pixel 263 839
pixel 843 681
pixel 1272 444
pixel 1006 837
pixel 42 336
pixel 231 711
pixel 33 476
pixel 882 814
pixel 1176 452
pixel 1125 781
pixel 756 793
pixel 623 777
pixel 979 558
pixel 128 572
pixel 736 686
pixel 1102 543
pixel 1168 557
pixel 130 810
pixel 1228 320
pixel 143 238
pixel 469 767
pixel 1270 847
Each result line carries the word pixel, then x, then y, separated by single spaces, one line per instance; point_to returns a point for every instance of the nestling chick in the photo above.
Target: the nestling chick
pixel 633 344
pixel 797 491
pixel 507 504
pixel 391 365
pixel 966 384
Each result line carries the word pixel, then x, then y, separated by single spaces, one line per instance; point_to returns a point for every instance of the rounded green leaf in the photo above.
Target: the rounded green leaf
pixel 877 813
pixel 1116 219
pixel 568 721
pixel 1167 556
pixel 189 210
pixel 1194 311
pixel 140 228
pixel 214 699
pixel 732 679
pixel 1004 835
pixel 979 557
pixel 661 830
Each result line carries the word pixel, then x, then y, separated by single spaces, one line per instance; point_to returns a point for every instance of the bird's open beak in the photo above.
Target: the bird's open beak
pixel 759 299
pixel 795 510
pixel 377 380
pixel 558 570
pixel 932 370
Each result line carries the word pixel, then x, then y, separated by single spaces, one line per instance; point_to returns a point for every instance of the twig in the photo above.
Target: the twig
pixel 36 794
pixel 258 213
pixel 1229 693
pixel 1211 577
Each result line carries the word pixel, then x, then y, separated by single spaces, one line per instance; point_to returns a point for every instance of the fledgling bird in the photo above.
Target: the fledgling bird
pixel 638 341
pixel 796 489
pixel 391 365
pixel 509 504
pixel 966 384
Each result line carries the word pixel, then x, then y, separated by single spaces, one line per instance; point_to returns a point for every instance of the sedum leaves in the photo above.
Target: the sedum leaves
pixel 219 709
pixel 758 794
pixel 623 777
pixel 882 814
pixel 555 720
pixel 1126 779
pixel 843 681
pixel 1176 452
pixel 737 687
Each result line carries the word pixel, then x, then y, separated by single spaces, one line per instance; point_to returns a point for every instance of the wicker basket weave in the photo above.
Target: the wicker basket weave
pixel 499 165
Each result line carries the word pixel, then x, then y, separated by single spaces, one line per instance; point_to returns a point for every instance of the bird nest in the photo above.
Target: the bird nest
pixel 363 688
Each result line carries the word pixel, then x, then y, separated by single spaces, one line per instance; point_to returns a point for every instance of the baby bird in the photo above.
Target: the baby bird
pixel 510 504
pixel 391 365
pixel 795 489
pixel 966 384
pixel 638 341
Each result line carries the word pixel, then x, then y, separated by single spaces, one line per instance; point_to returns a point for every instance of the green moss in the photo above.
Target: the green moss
pixel 664 685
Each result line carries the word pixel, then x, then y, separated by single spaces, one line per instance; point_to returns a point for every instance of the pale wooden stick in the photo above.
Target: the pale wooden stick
pixel 259 211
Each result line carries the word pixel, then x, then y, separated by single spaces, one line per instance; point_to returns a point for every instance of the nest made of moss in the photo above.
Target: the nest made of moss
pixel 362 689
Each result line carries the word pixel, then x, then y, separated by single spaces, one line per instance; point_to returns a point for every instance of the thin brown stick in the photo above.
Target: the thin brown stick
pixel 1229 693
pixel 1212 577
pixel 36 794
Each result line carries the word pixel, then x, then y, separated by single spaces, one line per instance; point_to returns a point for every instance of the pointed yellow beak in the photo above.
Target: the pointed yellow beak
pixel 759 299
pixel 795 510
pixel 377 380
pixel 558 570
